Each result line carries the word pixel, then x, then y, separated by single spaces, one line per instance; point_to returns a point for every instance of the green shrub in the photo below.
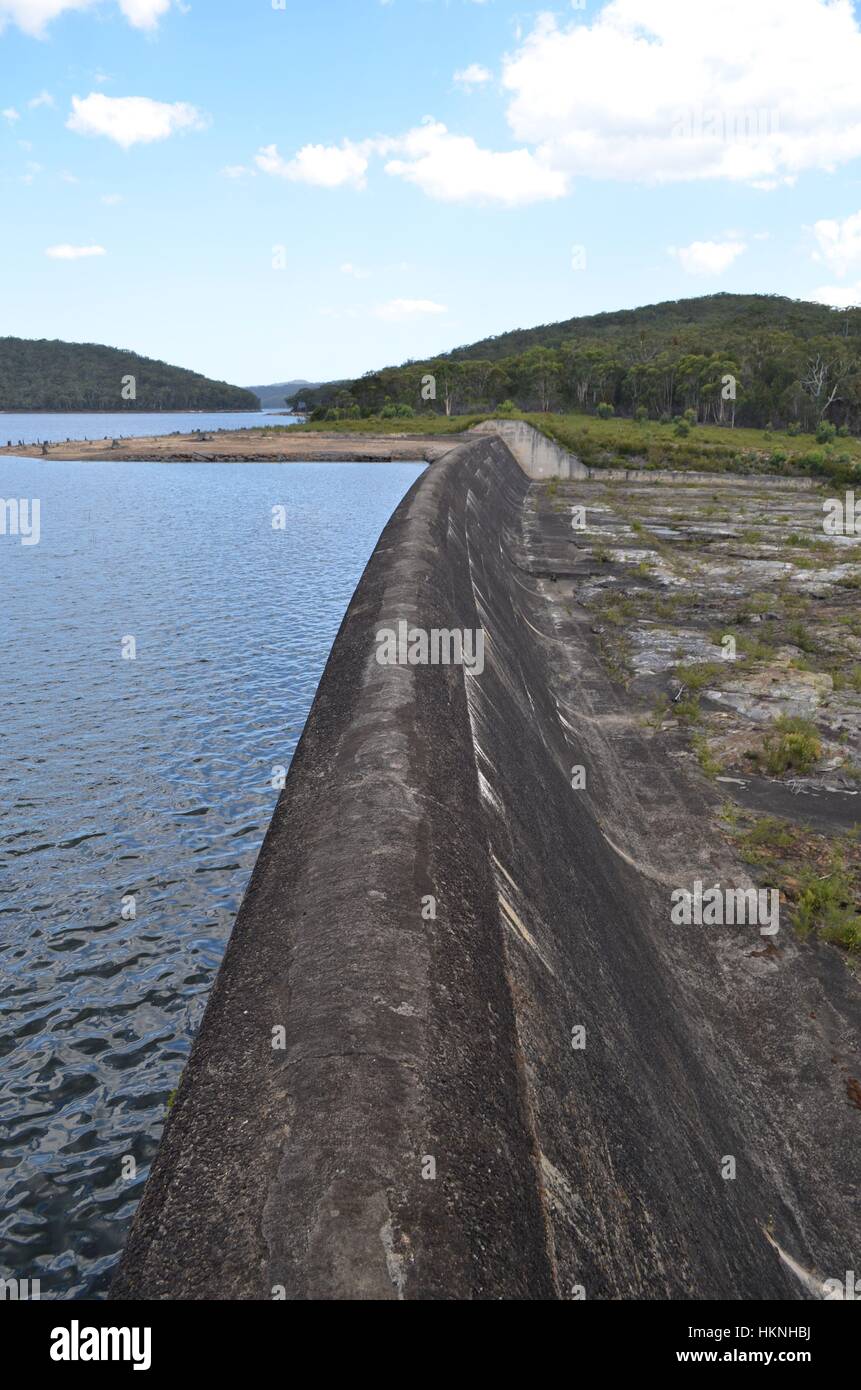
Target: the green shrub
pixel 709 764
pixel 699 674
pixel 801 637
pixel 792 746
pixel 826 905
pixel 687 709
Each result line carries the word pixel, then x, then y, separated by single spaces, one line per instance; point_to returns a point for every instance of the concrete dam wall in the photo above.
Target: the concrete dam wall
pixel 455 1049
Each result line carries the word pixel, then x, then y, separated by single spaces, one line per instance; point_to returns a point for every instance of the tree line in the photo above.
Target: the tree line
pixel 753 360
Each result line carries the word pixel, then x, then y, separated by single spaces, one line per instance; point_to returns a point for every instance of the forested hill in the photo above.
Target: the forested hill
pixel 732 359
pixel 718 320
pixel 40 374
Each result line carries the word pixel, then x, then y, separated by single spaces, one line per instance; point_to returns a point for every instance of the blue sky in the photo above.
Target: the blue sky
pixel 333 186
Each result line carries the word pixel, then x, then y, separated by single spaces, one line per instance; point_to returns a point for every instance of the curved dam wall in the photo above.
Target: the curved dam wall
pixel 383 1100
pixel 538 456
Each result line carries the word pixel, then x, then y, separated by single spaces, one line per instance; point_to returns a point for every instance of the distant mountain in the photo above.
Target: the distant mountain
pixel 275 397
pixel 44 374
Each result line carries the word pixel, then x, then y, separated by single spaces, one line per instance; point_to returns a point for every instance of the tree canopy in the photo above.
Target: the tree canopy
pixel 40 374
pixel 727 359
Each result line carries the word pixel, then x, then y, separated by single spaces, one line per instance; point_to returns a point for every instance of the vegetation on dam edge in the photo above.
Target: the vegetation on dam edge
pixel 649 445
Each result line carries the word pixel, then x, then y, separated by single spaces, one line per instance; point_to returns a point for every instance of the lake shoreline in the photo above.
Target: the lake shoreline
pixel 243 446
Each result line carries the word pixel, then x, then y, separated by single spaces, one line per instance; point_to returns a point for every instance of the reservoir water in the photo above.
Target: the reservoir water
pixel 134 794
pixel 34 428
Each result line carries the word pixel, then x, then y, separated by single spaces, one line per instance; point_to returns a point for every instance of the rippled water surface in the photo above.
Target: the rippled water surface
pixel 38 426
pixel 145 779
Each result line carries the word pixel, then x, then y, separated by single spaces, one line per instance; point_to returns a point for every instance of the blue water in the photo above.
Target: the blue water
pixel 148 778
pixel 34 428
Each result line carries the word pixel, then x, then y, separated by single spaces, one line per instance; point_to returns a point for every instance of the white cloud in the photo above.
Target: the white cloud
pixel 144 14
pixel 838 296
pixel 10 114
pixel 473 76
pixel 355 271
pixel 131 120
pixel 43 99
pixel 399 309
pixel 666 90
pixel 453 168
pixel 73 253
pixel 33 16
pixel 839 244
pixel 325 166
pixel 111 200
pixel 450 168
pixel 708 257
pixel 236 171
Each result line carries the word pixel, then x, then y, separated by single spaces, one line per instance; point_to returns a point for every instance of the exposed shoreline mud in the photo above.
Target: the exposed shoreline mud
pixel 244 446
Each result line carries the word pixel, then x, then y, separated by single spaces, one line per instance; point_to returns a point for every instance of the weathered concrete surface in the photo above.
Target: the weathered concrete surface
pixel 670 566
pixel 301 1169
pixel 538 456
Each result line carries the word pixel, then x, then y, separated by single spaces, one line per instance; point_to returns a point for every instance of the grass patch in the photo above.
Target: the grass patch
pixel 827 905
pixel 792 746
pixel 648 445
pixel 801 638
pixel 416 424
pixel 748 648
pixel 709 764
pixel 686 710
pixel 699 674
pixel 819 876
